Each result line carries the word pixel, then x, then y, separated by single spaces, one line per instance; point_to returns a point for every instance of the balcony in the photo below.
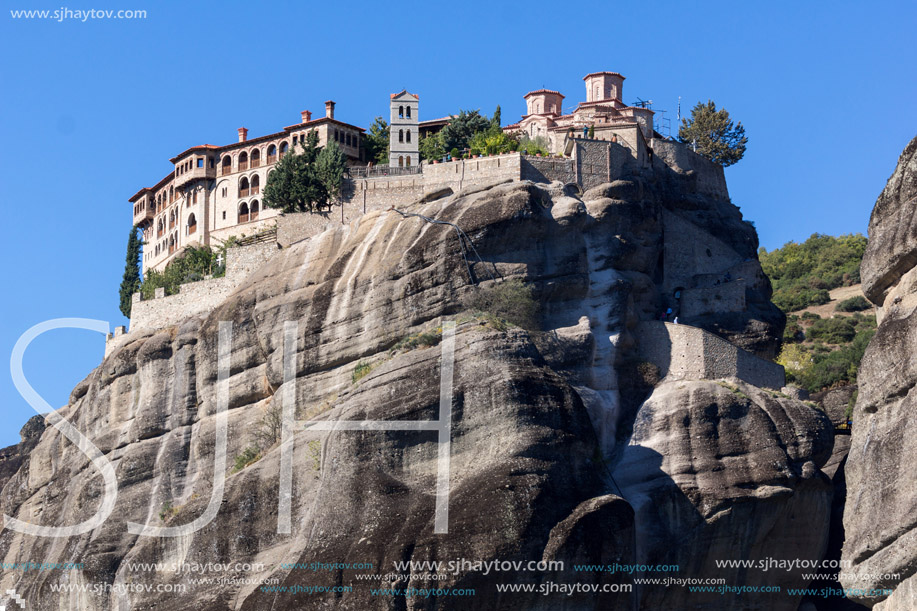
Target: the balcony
pixel 243 165
pixel 227 169
pixel 243 218
pixel 256 163
pixel 271 159
pixel 244 192
pixel 256 189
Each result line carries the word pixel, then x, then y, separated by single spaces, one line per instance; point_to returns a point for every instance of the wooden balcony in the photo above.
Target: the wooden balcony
pixel 243 165
pixel 244 192
pixel 192 228
pixel 256 163
pixel 243 218
pixel 256 189
pixel 271 159
pixel 227 169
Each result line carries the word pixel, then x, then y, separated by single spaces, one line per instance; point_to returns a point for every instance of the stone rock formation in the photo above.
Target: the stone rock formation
pixel 880 515
pixel 556 452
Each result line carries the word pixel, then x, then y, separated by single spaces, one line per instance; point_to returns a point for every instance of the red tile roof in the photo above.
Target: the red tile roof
pixel 542 91
pixel 395 95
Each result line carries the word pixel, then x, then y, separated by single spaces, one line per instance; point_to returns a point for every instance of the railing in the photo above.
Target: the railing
pixel 243 192
pixel 271 158
pixel 256 189
pixel 227 169
pixel 243 218
pixel 368 172
pixel 254 215
pixel 256 162
pixel 192 228
pixel 243 165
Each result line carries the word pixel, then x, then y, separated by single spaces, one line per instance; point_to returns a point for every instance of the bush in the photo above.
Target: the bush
pixel 854 304
pixel 247 457
pixel 509 301
pixel 839 330
pixel 192 265
pixel 361 371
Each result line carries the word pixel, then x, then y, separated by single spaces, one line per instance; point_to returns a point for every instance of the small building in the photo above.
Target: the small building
pixel 214 192
pixel 404 130
pixel 603 111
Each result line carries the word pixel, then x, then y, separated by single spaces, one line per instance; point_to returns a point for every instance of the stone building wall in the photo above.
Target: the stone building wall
pixel 682 352
pixel 708 177
pixel 725 297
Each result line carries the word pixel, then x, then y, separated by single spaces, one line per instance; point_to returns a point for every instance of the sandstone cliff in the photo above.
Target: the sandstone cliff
pixel 563 446
pixel 881 508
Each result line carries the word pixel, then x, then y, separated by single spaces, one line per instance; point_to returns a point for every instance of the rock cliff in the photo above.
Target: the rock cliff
pixel 880 515
pixel 564 447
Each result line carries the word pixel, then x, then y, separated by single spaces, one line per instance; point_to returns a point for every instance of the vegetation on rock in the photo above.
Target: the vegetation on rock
pixel 308 180
pixel 192 265
pixel 376 142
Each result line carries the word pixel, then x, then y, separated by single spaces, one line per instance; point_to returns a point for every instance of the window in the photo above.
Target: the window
pixel 224 215
pixel 256 158
pixel 243 213
pixel 243 160
pixel 254 211
pixel 256 184
pixel 401 112
pixel 192 224
pixel 283 148
pixel 227 164
pixel 408 112
pixel 211 162
pixel 194 197
pixel 400 135
pixel 347 139
pixel 243 187
pixel 407 162
pixel 407 136
pixel 271 154
pixel 400 161
pixel 224 191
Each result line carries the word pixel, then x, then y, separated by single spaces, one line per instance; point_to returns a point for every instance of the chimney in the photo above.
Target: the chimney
pixel 329 109
pixel 306 116
pixel 243 134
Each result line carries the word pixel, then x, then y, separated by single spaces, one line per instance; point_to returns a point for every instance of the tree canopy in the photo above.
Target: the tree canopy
pixel 376 142
pixel 305 181
pixel 130 282
pixel 714 134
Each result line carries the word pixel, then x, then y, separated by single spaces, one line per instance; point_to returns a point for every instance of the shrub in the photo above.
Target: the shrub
pixel 509 301
pixel 838 330
pixel 360 371
pixel 854 304
pixel 247 457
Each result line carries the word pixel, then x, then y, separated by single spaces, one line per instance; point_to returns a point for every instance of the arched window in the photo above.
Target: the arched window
pixel 401 112
pixel 256 158
pixel 171 218
pixel 408 112
pixel 271 154
pixel 283 148
pixel 400 135
pixel 171 244
pixel 192 224
pixel 407 136
pixel 243 161
pixel 243 187
pixel 256 184
pixel 400 161
pixel 243 213
pixel 171 195
pixel 227 164
pixel 253 213
pixel 407 161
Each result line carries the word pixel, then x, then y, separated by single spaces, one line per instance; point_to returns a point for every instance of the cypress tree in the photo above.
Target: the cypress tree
pixel 130 283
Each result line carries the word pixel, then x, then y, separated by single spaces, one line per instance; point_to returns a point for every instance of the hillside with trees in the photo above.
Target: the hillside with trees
pixel 829 322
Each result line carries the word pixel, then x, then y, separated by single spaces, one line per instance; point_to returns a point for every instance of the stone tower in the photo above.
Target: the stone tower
pixel 404 134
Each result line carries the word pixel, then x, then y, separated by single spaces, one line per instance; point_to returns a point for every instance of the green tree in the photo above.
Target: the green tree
pixel 329 173
pixel 714 134
pixel 130 282
pixel 459 131
pixel 293 186
pixel 431 147
pixel 376 142
pixel 495 121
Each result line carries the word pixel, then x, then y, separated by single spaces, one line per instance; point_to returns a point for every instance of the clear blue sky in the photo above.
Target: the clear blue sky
pixel 92 111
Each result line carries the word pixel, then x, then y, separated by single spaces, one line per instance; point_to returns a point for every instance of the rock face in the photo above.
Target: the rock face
pixel 881 509
pixel 541 424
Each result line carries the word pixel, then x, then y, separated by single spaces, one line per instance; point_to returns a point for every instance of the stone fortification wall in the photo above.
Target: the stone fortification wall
pixel 683 352
pixel 707 177
pixel 690 251
pixel 193 298
pixel 548 169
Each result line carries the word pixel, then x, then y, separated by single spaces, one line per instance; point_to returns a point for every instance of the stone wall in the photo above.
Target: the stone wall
pixel 682 352
pixel 726 297
pixel 707 176
pixel 690 251
pixel 193 298
pixel 548 169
